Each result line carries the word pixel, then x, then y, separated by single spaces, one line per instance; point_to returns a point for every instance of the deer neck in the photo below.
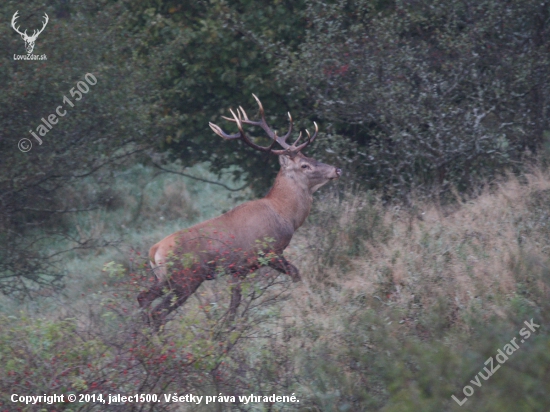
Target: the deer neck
pixel 291 200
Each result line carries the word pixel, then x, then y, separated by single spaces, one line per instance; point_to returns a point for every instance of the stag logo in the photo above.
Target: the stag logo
pixel 29 40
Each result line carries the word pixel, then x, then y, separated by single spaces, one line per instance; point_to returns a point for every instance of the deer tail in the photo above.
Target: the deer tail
pixel 156 262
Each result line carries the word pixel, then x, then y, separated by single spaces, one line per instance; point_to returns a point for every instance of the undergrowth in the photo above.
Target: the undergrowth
pixel 398 311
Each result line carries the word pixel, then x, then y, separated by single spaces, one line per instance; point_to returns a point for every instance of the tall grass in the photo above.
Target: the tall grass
pixel 398 310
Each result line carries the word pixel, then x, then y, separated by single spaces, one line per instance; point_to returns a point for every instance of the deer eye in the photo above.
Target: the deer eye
pixel 304 166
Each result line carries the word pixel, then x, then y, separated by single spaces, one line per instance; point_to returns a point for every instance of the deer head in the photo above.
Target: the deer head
pixel 302 170
pixel 29 40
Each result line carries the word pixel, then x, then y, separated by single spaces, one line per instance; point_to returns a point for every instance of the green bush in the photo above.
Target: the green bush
pixel 434 95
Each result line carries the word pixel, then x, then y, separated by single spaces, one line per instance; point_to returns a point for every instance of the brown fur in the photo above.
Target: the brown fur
pixel 231 242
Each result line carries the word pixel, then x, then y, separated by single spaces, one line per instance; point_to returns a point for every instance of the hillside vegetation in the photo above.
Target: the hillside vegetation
pixel 398 310
pixel 425 264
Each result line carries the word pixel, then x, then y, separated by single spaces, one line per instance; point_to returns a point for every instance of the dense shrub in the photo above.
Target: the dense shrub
pixel 106 127
pixel 435 94
pixel 428 96
pixel 102 346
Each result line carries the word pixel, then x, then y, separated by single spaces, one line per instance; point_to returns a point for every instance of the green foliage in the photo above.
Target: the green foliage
pixel 395 313
pixel 365 353
pixel 103 129
pixel 429 97
pixel 430 375
pixel 103 346
pixel 435 95
pixel 424 96
pixel 206 57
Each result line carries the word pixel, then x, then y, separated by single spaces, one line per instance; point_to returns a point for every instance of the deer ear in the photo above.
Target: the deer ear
pixel 284 160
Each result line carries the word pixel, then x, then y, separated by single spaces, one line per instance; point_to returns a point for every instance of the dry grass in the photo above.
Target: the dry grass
pixel 464 257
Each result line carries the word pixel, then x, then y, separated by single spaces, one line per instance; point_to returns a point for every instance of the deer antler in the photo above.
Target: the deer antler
pixel 241 118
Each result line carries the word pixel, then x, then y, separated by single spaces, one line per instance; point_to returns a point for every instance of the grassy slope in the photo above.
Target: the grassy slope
pixel 397 311
pixel 416 302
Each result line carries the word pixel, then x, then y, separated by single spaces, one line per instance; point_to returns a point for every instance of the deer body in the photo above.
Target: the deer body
pixel 238 229
pixel 233 242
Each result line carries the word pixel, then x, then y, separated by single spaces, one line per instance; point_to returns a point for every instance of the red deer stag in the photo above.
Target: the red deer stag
pixel 231 243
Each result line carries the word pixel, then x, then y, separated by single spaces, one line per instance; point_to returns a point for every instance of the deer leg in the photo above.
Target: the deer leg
pixel 236 292
pixel 236 296
pixel 147 297
pixel 284 266
pixel 177 297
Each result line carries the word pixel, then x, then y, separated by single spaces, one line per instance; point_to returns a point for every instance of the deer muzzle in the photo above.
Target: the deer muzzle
pixel 336 174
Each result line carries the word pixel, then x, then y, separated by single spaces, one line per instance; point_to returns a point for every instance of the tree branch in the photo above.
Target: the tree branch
pixel 200 179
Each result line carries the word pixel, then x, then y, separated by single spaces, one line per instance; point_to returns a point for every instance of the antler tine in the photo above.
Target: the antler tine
pixel 298 139
pixel 238 118
pixel 282 140
pixel 243 135
pixel 244 113
pixel 309 139
pixel 217 129
pixel 235 118
pixel 316 131
pixel 46 20
pixel 260 105
pixel 243 117
pixel 262 122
